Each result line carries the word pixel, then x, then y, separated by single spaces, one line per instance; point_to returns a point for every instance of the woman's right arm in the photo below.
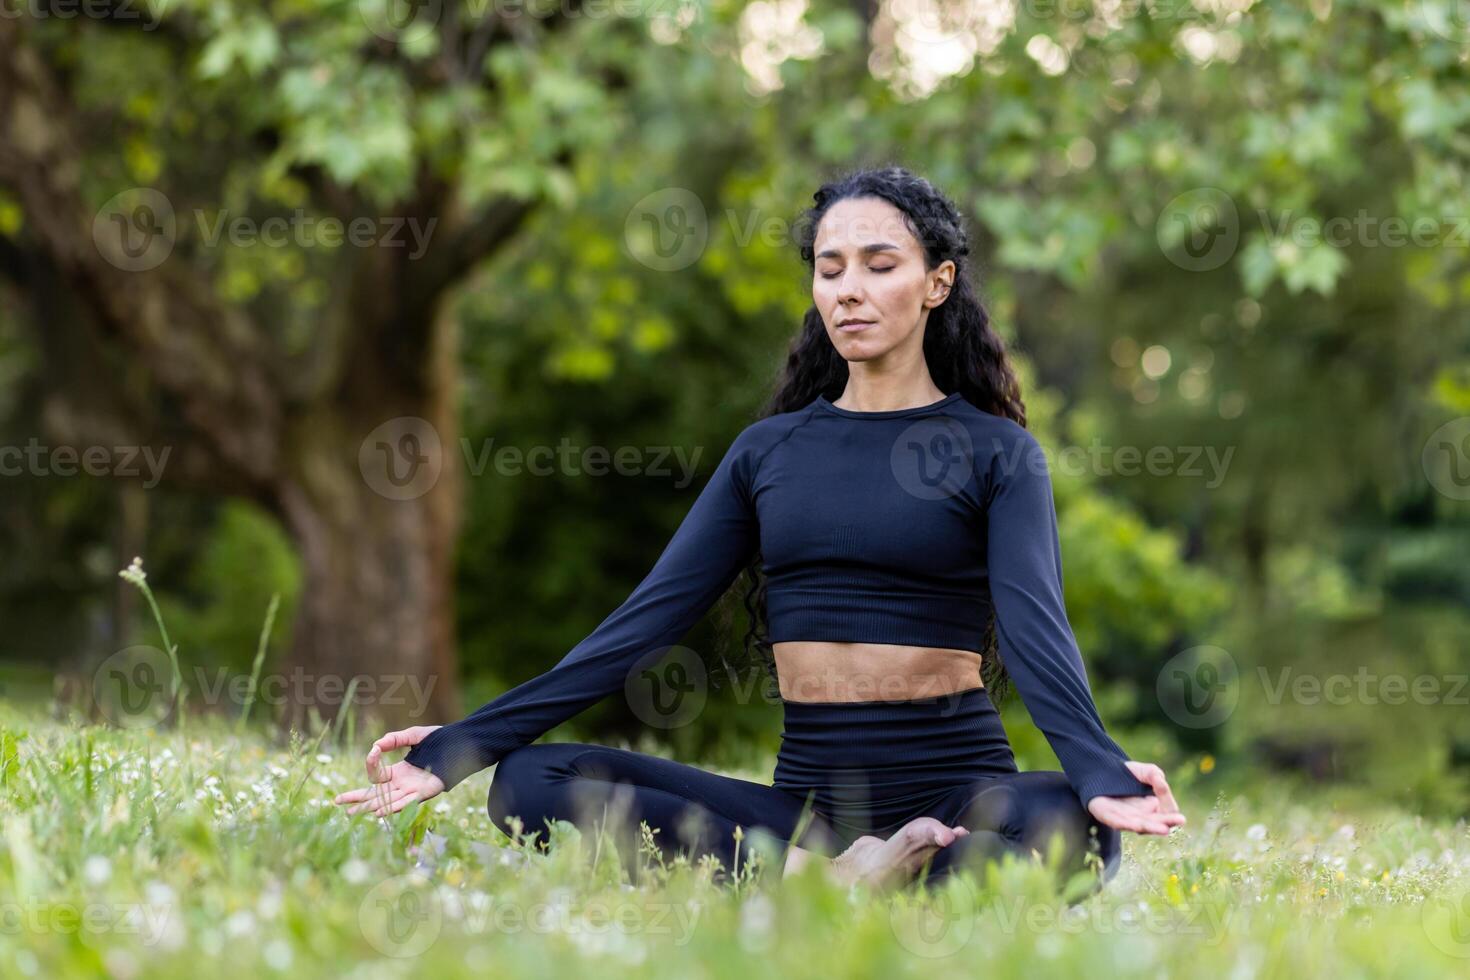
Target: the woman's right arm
pixel 716 539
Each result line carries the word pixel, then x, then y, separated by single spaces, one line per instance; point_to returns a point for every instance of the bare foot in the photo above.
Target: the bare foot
pixel 880 863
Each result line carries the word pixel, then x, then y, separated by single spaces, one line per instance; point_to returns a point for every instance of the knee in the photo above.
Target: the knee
pixel 1053 809
pixel 513 784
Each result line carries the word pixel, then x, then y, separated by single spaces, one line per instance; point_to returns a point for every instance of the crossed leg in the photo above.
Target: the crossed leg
pixel 1020 812
pixel 693 811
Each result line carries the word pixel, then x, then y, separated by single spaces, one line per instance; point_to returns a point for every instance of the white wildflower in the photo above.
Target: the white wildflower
pixel 356 871
pixel 277 955
pixel 97 870
pixel 240 924
pixel 134 573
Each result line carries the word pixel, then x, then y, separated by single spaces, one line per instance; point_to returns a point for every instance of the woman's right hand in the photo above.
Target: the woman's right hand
pixel 396 786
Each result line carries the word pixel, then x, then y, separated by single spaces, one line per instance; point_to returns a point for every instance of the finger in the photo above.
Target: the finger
pixel 1154 776
pixel 383 772
pixel 397 740
pixel 1166 795
pixel 374 766
pixel 379 800
pixel 397 804
pixel 353 795
pixel 1119 817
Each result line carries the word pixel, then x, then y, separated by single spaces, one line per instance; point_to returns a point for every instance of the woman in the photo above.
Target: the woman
pixel 903 519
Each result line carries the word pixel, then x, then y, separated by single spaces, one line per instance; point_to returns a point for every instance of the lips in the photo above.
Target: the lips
pixel 854 326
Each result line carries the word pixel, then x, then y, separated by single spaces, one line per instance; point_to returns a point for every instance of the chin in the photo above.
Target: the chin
pixel 860 348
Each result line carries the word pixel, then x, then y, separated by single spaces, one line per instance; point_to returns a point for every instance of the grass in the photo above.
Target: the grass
pixel 155 852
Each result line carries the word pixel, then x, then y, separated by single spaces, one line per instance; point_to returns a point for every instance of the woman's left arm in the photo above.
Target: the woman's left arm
pixel 1040 652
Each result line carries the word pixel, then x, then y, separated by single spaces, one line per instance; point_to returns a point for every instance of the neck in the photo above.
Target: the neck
pixel 870 392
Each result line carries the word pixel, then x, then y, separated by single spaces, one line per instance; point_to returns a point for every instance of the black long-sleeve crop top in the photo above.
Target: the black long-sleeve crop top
pixel 909 526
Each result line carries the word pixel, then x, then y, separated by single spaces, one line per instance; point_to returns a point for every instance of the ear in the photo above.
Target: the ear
pixel 942 284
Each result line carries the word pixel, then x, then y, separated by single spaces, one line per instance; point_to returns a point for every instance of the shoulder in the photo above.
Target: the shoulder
pixel 763 435
pixel 993 432
pixel 1004 450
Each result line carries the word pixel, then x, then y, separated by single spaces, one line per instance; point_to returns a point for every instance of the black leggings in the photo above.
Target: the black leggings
pixel 845 770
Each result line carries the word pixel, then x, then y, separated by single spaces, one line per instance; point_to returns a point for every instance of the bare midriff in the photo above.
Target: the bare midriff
pixel 826 671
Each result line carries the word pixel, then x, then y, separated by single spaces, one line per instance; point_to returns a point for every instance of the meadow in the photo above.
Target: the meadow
pixel 211 850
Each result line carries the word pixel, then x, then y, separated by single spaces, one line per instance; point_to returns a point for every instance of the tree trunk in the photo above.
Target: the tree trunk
pixel 371 493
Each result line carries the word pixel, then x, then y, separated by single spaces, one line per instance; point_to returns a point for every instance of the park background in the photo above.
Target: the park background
pixel 1226 241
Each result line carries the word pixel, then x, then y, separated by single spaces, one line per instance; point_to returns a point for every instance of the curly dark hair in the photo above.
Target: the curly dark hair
pixel 963 353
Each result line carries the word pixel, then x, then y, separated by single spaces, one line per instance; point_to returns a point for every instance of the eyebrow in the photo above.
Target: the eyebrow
pixel 832 253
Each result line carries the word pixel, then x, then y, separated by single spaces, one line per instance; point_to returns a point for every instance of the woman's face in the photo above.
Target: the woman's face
pixel 869 269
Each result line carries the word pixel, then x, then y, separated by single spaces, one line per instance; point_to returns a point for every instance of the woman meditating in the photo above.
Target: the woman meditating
pixel 901 518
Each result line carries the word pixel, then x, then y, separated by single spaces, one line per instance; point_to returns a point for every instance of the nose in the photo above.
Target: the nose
pixel 848 290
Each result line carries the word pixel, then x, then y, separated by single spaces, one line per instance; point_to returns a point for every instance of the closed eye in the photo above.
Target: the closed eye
pixel 887 268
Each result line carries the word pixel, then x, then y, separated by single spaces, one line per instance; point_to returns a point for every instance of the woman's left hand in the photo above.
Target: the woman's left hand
pixel 1157 814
